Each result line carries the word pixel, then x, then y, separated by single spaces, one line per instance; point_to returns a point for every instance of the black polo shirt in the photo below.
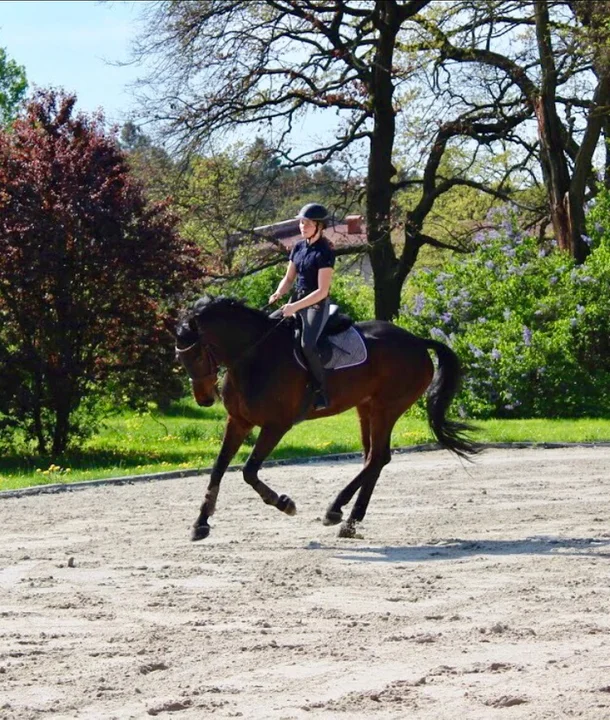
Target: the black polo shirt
pixel 308 260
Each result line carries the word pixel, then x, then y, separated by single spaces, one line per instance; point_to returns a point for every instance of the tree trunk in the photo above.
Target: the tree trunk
pixel 380 169
pixel 61 431
pixel 566 194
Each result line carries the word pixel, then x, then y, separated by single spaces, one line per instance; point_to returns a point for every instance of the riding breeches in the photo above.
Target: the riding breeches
pixel 313 319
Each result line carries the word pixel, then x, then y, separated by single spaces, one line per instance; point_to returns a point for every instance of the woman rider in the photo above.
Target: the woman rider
pixel 311 264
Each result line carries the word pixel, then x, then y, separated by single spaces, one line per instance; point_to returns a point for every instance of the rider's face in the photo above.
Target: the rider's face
pixel 308 228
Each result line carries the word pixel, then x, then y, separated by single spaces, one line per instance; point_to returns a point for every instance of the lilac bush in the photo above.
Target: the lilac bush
pixel 531 328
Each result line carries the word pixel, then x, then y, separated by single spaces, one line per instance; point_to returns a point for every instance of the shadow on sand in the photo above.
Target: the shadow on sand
pixel 455 548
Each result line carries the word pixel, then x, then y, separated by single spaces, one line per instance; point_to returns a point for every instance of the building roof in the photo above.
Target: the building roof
pixel 349 232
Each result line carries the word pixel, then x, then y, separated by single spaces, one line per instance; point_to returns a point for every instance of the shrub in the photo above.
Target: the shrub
pixel 530 327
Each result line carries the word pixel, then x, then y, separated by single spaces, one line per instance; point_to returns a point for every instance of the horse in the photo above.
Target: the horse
pixel 264 386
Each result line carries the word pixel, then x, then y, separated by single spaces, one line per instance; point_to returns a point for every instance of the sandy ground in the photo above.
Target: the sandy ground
pixel 476 592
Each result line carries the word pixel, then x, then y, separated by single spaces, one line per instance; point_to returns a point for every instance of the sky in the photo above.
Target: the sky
pixel 73 45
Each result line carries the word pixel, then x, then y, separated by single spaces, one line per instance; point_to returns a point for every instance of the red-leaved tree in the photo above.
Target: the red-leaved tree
pixel 89 275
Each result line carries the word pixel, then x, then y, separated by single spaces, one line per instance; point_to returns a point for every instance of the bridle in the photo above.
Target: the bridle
pixel 212 362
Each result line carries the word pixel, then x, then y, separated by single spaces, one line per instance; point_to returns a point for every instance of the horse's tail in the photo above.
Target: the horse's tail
pixel 444 386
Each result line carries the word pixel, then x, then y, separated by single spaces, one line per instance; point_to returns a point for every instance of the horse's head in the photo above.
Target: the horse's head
pixel 199 362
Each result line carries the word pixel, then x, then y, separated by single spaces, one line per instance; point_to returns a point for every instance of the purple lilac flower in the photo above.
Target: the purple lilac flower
pixel 552 279
pixel 587 240
pixel 490 265
pixel 419 304
pixel 446 317
pixel 496 354
pixel 439 334
pixel 477 352
pixel 527 336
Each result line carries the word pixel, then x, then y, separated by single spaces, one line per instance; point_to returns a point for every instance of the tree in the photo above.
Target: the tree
pixel 541 60
pixel 470 74
pixel 13 85
pixel 89 273
pixel 231 64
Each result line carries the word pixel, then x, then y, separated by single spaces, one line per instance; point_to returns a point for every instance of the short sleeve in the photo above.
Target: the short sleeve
pixel 326 258
pixel 294 251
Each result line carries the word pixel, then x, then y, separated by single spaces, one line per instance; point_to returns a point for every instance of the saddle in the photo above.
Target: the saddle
pixel 340 344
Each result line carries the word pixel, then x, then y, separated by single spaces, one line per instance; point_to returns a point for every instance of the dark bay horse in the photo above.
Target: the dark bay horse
pixel 265 387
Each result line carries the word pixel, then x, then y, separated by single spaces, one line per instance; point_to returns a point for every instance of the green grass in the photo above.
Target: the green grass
pixel 189 437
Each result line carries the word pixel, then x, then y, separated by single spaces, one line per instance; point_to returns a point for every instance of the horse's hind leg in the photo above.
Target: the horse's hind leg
pixel 235 432
pixel 380 455
pixel 268 438
pixel 380 426
pixel 334 514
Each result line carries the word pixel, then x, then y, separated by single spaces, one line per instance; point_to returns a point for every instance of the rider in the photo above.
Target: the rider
pixel 311 265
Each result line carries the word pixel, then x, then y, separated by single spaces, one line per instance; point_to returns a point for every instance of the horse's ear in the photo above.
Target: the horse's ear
pixel 186 333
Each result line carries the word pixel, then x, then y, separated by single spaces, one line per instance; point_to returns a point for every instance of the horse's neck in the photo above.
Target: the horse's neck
pixel 234 340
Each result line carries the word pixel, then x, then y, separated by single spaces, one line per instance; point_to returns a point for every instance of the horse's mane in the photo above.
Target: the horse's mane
pixel 186 330
pixel 208 305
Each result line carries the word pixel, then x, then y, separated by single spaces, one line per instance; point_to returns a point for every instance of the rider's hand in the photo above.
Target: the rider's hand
pixel 274 298
pixel 288 310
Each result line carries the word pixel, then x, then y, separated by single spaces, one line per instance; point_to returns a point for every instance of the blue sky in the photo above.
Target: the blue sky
pixel 72 45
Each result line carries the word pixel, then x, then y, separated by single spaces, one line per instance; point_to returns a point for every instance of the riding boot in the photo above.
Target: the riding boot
pixel 319 376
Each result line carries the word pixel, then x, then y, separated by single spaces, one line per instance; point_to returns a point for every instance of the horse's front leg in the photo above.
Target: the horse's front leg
pixel 268 438
pixel 235 432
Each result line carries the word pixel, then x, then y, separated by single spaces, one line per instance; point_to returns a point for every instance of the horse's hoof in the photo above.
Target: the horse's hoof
pixel 347 530
pixel 286 505
pixel 332 517
pixel 200 532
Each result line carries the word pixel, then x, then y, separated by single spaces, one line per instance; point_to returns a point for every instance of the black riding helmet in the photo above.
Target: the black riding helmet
pixel 314 211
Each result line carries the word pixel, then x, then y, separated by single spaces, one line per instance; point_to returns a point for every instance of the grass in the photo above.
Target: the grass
pixel 189 437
